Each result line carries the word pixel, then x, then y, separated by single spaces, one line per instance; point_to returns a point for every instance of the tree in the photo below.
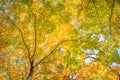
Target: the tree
pixel 51 39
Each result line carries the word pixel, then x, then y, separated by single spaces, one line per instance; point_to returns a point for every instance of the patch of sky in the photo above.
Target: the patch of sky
pixel 93 35
pixel 6 10
pixel 88 60
pixel 94 56
pixel 12 17
pixel 73 77
pixel 96 51
pixel 88 51
pixel 61 50
pixel 101 38
pixel 114 64
pixel 91 55
pixel 118 50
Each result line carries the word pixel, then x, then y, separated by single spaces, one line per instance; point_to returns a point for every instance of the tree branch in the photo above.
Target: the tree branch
pixel 35 38
pixel 35 32
pixel 31 71
pixel 111 11
pixel 51 52
pixel 48 54
pixel 111 14
pixel 20 31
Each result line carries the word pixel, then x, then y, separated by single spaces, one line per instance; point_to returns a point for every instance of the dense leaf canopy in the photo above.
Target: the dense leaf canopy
pixel 59 39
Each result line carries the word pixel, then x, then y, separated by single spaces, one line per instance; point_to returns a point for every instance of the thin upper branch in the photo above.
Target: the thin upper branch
pixel 111 11
pixel 35 37
pixel 111 14
pixel 35 32
pixel 20 31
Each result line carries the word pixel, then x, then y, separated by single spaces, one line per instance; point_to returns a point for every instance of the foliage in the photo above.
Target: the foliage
pixel 59 39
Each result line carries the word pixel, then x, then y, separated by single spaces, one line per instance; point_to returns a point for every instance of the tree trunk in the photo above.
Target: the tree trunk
pixel 31 71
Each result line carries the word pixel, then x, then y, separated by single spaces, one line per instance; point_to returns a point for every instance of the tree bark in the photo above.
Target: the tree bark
pixel 30 71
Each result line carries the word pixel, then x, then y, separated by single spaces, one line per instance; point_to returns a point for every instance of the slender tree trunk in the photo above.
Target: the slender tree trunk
pixel 30 71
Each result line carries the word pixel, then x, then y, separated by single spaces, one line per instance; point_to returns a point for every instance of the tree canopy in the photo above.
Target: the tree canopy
pixel 60 39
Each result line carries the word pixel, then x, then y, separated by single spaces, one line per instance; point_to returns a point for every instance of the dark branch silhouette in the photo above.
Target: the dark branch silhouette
pixel 20 31
pixel 51 52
